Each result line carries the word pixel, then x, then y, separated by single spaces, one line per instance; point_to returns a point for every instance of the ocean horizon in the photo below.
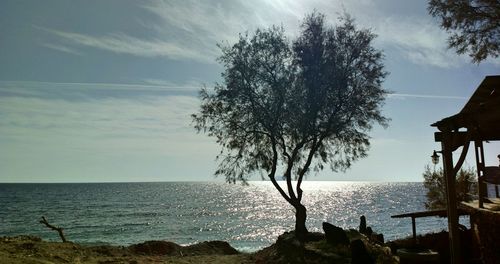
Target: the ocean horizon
pixel 197 181
pixel 248 217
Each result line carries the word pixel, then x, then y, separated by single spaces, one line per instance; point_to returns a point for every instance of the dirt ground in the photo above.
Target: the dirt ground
pixel 316 249
pixel 31 250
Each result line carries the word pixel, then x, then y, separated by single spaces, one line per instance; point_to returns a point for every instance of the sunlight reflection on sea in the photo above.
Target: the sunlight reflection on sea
pixel 248 217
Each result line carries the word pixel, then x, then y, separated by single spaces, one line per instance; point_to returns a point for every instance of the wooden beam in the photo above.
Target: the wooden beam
pixel 451 197
pixel 461 137
pixel 440 213
pixel 481 185
pixel 454 139
pixel 415 215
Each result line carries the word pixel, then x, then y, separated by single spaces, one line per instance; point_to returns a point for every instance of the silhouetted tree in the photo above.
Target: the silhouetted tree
pixel 466 185
pixel 294 106
pixel 474 26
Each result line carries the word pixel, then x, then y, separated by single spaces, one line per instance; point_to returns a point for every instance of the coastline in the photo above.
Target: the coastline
pixel 316 248
pixel 32 249
pixel 248 217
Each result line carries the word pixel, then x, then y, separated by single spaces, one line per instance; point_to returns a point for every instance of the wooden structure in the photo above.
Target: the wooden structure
pixel 440 213
pixel 485 229
pixel 477 122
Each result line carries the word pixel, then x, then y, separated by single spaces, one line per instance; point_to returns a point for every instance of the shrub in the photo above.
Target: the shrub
pixel 466 186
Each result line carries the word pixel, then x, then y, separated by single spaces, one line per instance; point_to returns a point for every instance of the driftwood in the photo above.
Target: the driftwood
pixel 58 229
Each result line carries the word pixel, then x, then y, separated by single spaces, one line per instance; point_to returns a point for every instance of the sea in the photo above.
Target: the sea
pixel 249 217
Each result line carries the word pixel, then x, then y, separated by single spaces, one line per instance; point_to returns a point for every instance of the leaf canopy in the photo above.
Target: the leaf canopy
pixel 294 104
pixel 474 26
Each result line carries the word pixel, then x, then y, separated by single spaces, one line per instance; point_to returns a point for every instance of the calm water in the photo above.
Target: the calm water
pixel 248 217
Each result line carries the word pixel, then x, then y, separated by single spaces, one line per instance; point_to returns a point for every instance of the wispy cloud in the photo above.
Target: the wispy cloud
pixel 74 90
pixel 403 95
pixel 190 29
pixel 200 25
pixel 419 40
pixel 124 44
pixel 189 85
pixel 151 124
pixel 99 138
pixel 61 48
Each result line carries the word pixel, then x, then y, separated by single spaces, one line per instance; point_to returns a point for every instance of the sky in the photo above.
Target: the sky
pixel 102 91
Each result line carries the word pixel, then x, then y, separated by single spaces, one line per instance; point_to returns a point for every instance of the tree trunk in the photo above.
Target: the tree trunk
pixel 300 222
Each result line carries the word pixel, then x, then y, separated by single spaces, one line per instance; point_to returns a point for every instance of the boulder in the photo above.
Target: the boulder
pixel 155 248
pixel 290 248
pixel 369 231
pixel 362 224
pixel 318 254
pixel 210 248
pixel 335 235
pixel 359 255
pixel 314 236
pixel 378 238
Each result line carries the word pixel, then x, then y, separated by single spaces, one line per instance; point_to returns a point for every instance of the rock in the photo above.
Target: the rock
pixel 210 248
pixel 362 224
pixel 290 248
pixel 314 236
pixel 155 248
pixel 369 231
pixel 335 235
pixel 359 253
pixel 318 254
pixel 378 238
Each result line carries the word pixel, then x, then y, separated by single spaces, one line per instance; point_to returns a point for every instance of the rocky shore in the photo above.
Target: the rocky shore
pixel 30 249
pixel 318 248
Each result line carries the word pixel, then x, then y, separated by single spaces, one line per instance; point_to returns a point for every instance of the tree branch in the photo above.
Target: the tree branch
pixel 288 173
pixel 283 146
pixel 304 169
pixel 58 229
pixel 273 172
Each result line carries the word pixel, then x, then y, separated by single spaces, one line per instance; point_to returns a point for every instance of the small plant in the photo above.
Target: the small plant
pixel 466 186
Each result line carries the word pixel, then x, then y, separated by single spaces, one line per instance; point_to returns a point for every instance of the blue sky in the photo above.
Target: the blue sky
pixel 103 90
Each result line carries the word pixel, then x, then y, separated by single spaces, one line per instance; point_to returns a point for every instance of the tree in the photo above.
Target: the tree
pixel 474 26
pixel 285 108
pixel 466 185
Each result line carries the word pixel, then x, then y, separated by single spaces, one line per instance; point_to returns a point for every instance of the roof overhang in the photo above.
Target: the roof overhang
pixel 480 115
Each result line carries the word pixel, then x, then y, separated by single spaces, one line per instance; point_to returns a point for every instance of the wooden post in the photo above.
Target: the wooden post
pixel 481 186
pixel 451 198
pixel 414 229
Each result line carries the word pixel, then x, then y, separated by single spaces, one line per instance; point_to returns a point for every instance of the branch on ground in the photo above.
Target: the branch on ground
pixel 58 229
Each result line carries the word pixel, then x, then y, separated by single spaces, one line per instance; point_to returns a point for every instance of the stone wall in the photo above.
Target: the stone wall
pixel 485 225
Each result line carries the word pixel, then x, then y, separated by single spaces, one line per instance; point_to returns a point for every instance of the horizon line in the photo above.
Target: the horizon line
pixel 195 181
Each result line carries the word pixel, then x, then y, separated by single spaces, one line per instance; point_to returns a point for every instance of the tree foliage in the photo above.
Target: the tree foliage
pixel 474 26
pixel 466 185
pixel 286 107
